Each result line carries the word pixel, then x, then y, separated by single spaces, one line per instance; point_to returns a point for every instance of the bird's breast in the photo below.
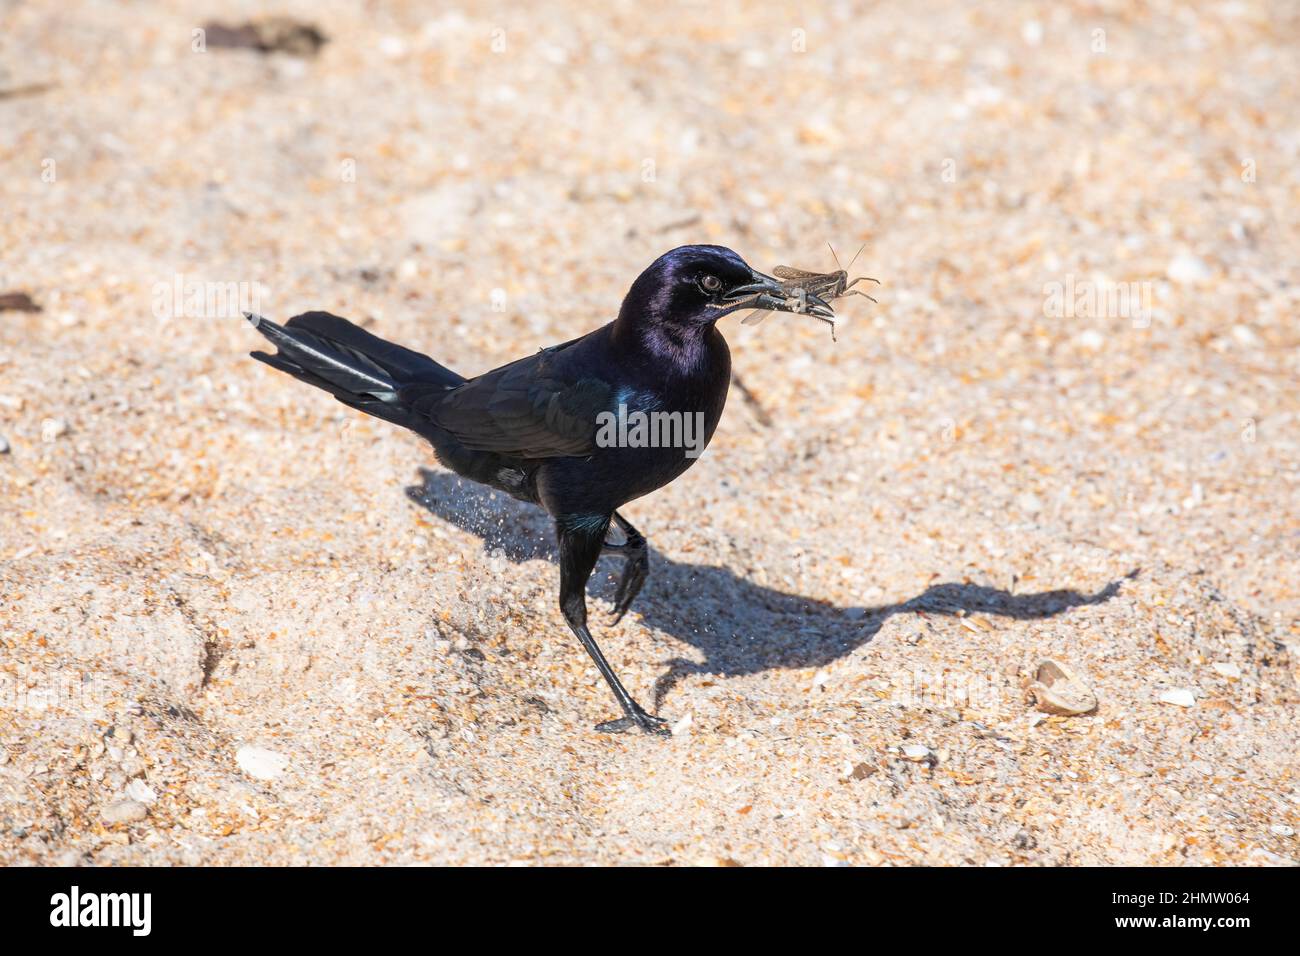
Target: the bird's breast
pixel 661 415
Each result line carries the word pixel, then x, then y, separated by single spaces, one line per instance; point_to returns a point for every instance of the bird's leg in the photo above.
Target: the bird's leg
pixel 580 546
pixel 636 565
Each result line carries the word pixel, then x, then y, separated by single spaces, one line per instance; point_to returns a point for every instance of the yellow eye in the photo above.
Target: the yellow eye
pixel 711 283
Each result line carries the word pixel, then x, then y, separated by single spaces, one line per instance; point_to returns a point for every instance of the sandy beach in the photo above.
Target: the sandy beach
pixel 241 623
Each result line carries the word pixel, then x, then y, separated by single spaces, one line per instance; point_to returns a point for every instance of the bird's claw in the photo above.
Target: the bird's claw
pixel 629 585
pixel 648 723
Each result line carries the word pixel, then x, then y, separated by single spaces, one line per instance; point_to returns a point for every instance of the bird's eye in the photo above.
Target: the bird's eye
pixel 711 283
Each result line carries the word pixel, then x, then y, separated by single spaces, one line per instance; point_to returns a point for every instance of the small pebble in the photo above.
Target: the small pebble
pixel 139 790
pixel 1230 671
pixel 52 429
pixel 1091 340
pixel 916 752
pixel 1179 696
pixel 260 763
pixel 1058 690
pixel 1187 268
pixel 125 811
pixel 1281 829
pixel 17 302
pixel 1245 335
pixel 4 445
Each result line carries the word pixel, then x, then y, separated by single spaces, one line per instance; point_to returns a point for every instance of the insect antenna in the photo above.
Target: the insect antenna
pixel 835 257
pixel 855 256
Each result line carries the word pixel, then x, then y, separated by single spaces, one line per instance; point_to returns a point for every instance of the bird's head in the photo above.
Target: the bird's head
pixel 697 285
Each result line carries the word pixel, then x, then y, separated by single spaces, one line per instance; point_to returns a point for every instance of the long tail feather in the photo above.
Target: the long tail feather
pixel 401 364
pixel 341 367
pixel 359 369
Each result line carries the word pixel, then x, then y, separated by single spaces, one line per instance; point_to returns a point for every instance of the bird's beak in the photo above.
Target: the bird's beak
pixel 765 292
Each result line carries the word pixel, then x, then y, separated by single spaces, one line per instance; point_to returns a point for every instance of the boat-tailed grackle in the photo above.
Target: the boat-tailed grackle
pixel 532 428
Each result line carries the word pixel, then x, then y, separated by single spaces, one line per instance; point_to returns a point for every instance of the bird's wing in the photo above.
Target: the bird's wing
pixel 527 409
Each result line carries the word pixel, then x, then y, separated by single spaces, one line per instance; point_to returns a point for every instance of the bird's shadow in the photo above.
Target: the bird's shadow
pixel 739 626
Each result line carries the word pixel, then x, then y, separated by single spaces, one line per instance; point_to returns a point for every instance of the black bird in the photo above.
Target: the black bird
pixel 533 428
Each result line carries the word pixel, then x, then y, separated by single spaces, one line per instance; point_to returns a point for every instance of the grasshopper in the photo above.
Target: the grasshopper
pixel 825 286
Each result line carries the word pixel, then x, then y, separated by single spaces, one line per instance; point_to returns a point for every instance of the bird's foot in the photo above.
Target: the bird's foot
pixel 648 723
pixel 629 585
